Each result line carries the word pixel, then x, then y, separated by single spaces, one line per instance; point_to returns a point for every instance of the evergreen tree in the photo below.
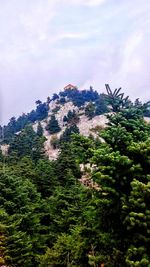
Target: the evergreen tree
pixel 65 163
pixel 41 110
pixel 138 103
pixel 48 100
pixel 1 133
pixel 71 118
pixel 146 109
pixel 32 116
pixel 116 99
pixel 21 202
pixel 55 96
pixel 53 126
pixel 3 238
pixel 39 130
pixel 82 147
pixel 27 143
pixel 137 208
pixel 101 105
pixel 50 217
pixel 119 162
pixel 90 110
pixel 67 134
pixel 45 179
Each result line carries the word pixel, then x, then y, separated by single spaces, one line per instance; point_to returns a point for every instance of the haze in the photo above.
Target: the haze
pixel 46 44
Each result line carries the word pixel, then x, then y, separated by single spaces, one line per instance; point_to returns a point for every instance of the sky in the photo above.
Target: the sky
pixel 46 44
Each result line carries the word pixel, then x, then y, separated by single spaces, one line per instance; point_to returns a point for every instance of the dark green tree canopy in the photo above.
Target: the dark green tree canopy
pixel 90 206
pixel 53 126
pixel 39 130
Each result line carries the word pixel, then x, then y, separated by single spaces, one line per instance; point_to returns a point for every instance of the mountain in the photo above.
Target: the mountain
pixel 88 207
pixel 72 111
pixel 85 125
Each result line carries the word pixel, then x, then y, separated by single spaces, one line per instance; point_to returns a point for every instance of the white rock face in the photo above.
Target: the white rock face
pixel 4 148
pixel 43 124
pixel 147 119
pixel 64 111
pixel 49 150
pixel 85 125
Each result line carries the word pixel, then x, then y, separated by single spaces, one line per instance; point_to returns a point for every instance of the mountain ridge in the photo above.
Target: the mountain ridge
pixel 84 109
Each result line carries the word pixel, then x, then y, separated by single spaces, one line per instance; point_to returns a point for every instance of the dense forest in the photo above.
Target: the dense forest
pixel 48 216
pixel 97 104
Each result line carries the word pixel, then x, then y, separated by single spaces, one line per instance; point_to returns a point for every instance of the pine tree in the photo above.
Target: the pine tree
pixel 137 221
pixel 117 99
pixel 123 174
pixel 101 105
pixel 67 134
pixel 39 130
pixel 90 110
pixel 65 163
pixel 27 143
pixel 25 234
pixel 3 238
pixel 53 126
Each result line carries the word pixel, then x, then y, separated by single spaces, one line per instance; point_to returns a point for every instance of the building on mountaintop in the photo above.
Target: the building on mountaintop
pixel 69 86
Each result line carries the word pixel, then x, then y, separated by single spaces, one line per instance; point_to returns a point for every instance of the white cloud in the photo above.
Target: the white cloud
pixel 46 44
pixel 131 53
pixel 89 3
pixel 94 2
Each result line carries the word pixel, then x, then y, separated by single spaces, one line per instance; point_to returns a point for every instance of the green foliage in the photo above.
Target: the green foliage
pixel 79 97
pixel 126 126
pixel 41 111
pixel 123 174
pixel 67 134
pixel 62 101
pixel 55 142
pixel 56 109
pixel 27 143
pixel 116 99
pixel 71 118
pixel 55 96
pixel 45 179
pixel 1 133
pixel 39 130
pixel 53 126
pixel 3 238
pixel 48 100
pixel 66 163
pixel 137 221
pixel 66 251
pixel 83 147
pixel 90 110
pixel 21 203
pixel 101 105
pixel 146 109
pixel 16 125
pixel 49 218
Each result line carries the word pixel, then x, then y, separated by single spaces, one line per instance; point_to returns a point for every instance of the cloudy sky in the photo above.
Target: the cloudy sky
pixel 46 44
